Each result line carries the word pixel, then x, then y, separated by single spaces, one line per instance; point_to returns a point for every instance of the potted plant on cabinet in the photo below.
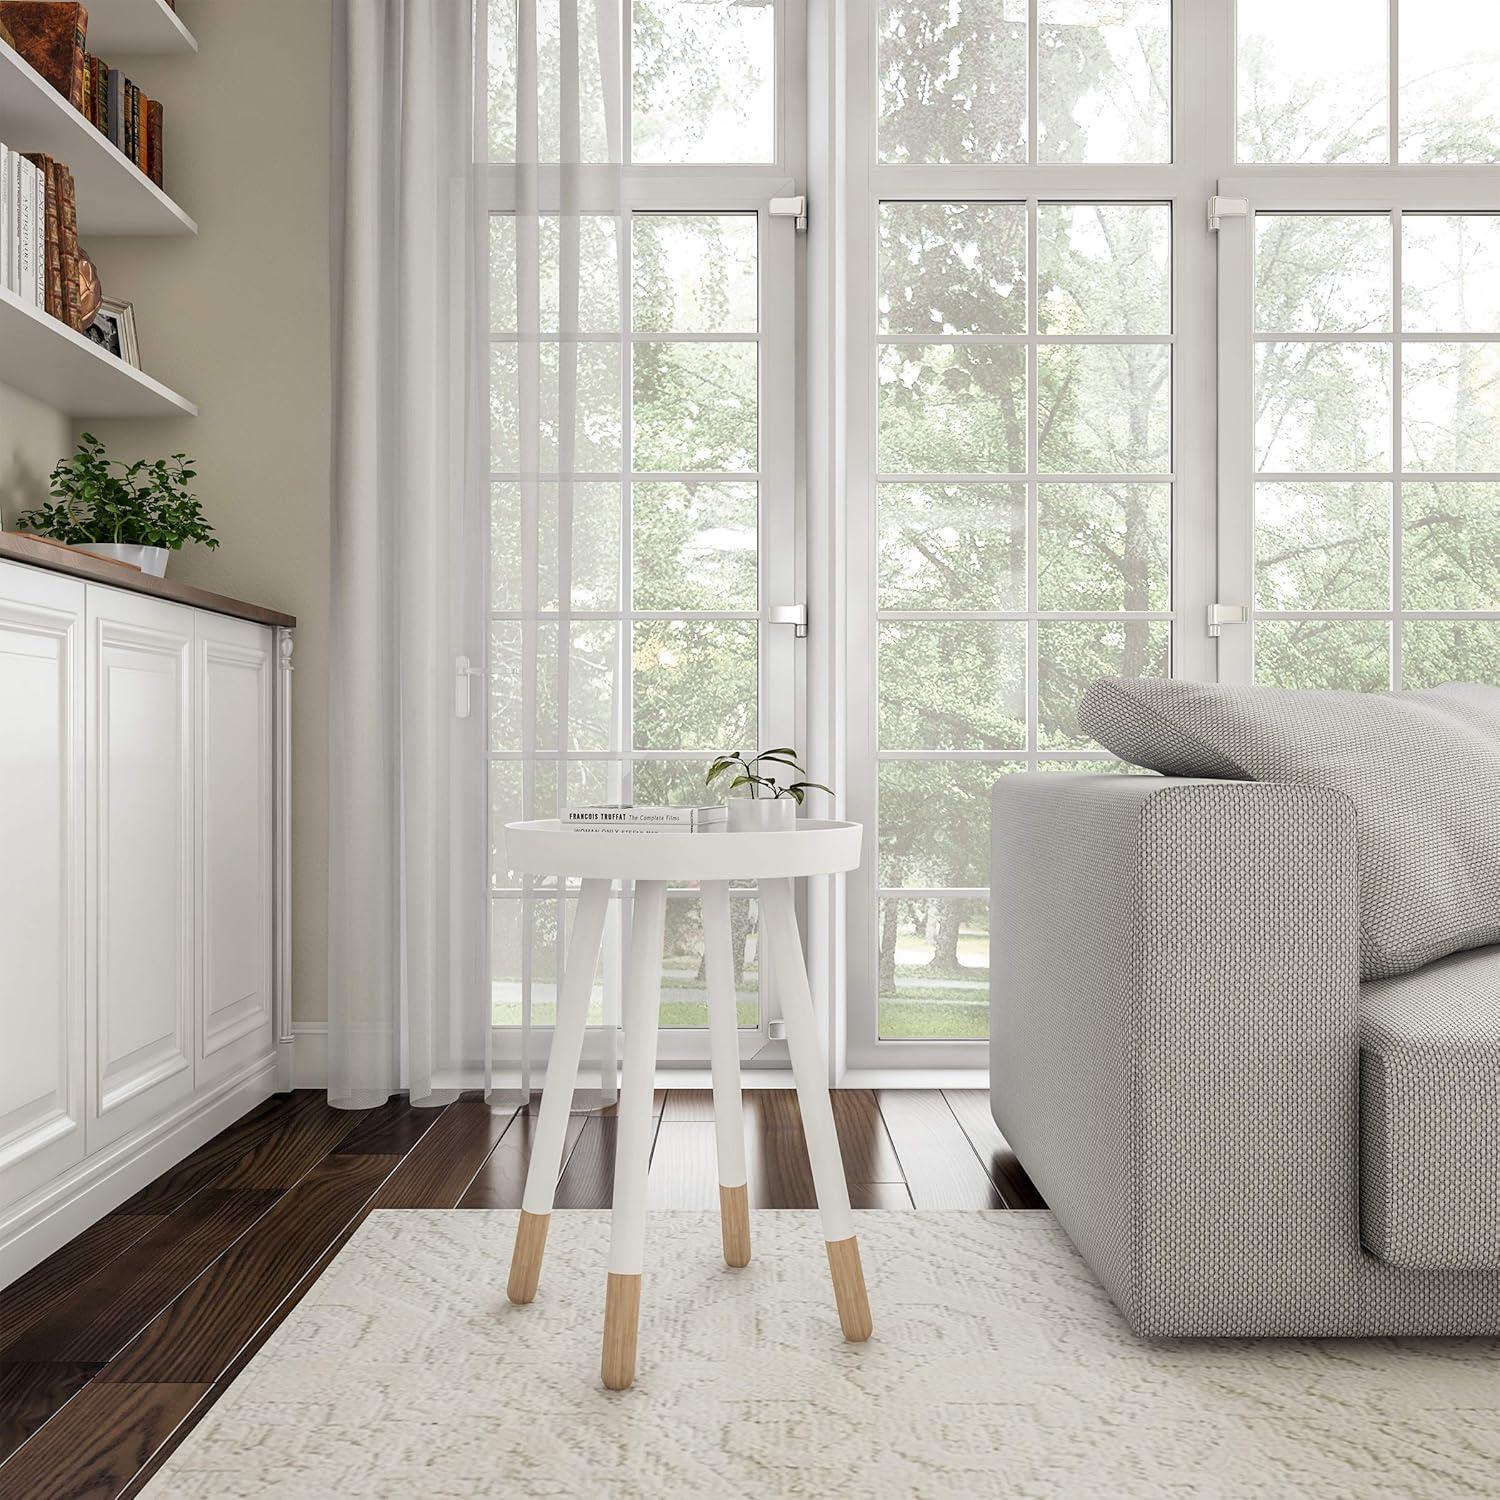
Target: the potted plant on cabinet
pixel 770 803
pixel 134 513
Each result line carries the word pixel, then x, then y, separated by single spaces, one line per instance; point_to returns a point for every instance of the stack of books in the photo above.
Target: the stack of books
pixel 52 35
pixel 40 262
pixel 637 819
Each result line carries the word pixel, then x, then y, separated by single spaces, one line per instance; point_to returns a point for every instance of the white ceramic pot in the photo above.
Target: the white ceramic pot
pixel 152 560
pixel 762 814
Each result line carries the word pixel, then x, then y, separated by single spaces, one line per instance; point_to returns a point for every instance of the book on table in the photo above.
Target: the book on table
pixel 641 819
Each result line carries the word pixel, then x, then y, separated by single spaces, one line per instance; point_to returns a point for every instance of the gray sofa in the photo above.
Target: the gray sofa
pixel 1240 1136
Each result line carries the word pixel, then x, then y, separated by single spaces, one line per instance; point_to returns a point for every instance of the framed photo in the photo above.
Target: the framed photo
pixel 113 329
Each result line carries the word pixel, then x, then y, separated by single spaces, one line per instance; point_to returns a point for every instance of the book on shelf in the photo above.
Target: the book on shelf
pixel 51 35
pixel 638 819
pixel 23 229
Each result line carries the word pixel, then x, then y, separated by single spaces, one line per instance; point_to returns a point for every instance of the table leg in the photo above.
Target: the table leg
pixel 627 1229
pixel 811 1075
pixel 724 1053
pixel 557 1093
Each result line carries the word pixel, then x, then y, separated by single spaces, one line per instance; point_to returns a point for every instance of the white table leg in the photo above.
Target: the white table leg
pixel 627 1230
pixel 811 1075
pixel 724 1054
pixel 557 1093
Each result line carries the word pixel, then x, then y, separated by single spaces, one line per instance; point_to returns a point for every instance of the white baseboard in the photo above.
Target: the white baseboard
pixel 48 1218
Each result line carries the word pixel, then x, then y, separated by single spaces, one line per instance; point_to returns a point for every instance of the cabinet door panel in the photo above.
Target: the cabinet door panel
pixel 41 878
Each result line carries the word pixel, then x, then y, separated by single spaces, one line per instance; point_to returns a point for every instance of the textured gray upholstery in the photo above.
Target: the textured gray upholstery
pixel 1430 1114
pixel 1175 1014
pixel 1421 768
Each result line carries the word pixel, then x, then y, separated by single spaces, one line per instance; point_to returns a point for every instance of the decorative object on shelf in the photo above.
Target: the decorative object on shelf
pixel 641 819
pixel 136 513
pixel 90 292
pixel 770 804
pixel 51 35
pixel 112 327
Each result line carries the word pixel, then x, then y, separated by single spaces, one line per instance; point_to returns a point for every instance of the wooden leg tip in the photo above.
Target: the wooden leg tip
pixel 849 1289
pixel 526 1260
pixel 622 1316
pixel 734 1223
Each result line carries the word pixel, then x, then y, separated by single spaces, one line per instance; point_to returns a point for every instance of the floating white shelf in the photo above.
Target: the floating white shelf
pixel 48 360
pixel 114 195
pixel 128 28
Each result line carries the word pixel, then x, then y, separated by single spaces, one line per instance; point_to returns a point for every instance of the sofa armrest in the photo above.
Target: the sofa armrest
pixel 1174 1039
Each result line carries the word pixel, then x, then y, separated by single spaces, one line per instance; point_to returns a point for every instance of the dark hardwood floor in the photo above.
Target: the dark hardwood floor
pixel 112 1348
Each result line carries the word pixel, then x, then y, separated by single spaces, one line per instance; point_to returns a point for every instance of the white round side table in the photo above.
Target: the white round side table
pixel 713 859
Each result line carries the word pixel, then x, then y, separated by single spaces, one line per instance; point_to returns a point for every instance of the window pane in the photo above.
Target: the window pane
pixel 684 986
pixel 502 273
pixel 952 685
pixel 1438 651
pixel 952 409
pixel 1353 654
pixel 1312 81
pixel 934 967
pixel 1104 546
pixel 1322 546
pixel 505 546
pixel 1322 273
pixel 595 525
pixel 1450 406
pixel 695 407
pixel 952 80
pixel 1450 273
pixel 590 442
pixel 1072 653
pixel 1104 268
pixel 694 273
pixel 593 686
pixel 952 546
pixel 704 80
pixel 1104 408
pixel 1322 407
pixel 669 783
pixel 505 685
pixel 1450 551
pixel 694 546
pixel 1104 81
pixel 935 822
pixel 953 268
pixel 694 683
pixel 1450 81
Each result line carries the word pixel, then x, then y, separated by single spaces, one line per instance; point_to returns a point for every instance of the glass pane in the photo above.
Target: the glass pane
pixel 1322 408
pixel 1438 651
pixel 1104 546
pixel 952 80
pixel 1104 268
pixel 505 417
pixel 695 407
pixel 694 684
pixel 1104 82
pixel 595 525
pixel 1450 273
pixel 1072 653
pixel 505 546
pixel 935 822
pixel 1450 407
pixel 934 967
pixel 704 80
pixel 1104 408
pixel 1322 546
pixel 952 546
pixel 502 273
pixel 590 246
pixel 1313 81
pixel 1322 273
pixel 952 685
pixel 694 546
pixel 953 268
pixel 1353 654
pixel 694 273
pixel 593 694
pixel 1450 81
pixel 1450 550
pixel 953 409
pixel 505 685
pixel 673 783
pixel 684 985
pixel 504 807
pixel 512 924
pixel 590 441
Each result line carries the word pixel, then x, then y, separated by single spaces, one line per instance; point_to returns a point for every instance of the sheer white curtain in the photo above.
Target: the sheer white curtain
pixel 408 325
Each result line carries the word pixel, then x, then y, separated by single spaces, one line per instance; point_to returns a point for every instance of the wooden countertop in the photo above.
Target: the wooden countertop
pixel 17 547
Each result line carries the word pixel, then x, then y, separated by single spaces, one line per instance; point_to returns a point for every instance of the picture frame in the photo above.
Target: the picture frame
pixel 113 330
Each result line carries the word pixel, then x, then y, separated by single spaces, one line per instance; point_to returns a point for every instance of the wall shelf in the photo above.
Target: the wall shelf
pixel 114 195
pixel 128 28
pixel 49 361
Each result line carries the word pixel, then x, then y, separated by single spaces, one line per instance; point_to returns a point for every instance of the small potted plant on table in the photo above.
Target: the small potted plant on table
pixel 771 804
pixel 136 513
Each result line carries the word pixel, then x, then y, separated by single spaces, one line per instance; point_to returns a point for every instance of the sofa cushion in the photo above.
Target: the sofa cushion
pixel 1421 768
pixel 1429 1107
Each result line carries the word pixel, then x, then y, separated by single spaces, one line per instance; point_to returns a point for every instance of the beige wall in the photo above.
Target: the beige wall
pixel 237 320
pixel 32 438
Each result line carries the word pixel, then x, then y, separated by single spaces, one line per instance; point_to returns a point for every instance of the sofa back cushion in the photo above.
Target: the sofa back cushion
pixel 1421 768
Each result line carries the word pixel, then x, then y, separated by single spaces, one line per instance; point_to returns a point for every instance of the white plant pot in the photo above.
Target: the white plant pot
pixel 762 814
pixel 152 560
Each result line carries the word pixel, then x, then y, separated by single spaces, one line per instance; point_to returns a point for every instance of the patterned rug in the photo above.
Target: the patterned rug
pixel 998 1367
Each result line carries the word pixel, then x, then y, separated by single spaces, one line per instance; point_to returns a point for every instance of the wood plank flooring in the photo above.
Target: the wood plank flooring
pixel 112 1348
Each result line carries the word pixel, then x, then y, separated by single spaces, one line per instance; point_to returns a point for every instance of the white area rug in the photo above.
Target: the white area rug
pixel 998 1367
